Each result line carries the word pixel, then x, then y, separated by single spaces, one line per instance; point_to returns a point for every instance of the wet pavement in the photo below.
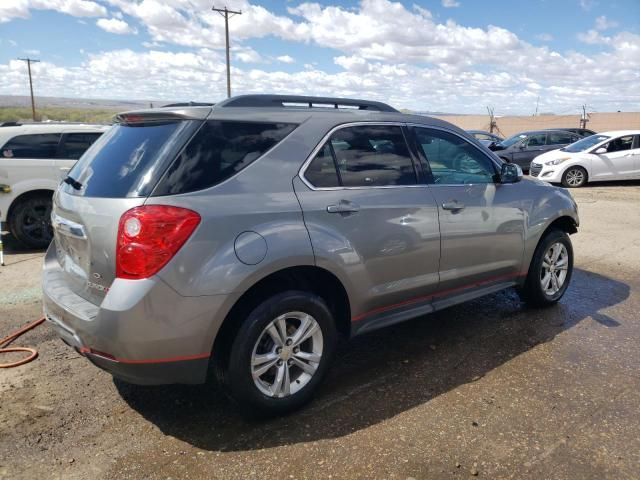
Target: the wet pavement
pixel 489 389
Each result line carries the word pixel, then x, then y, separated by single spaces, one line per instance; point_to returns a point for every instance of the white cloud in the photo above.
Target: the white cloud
pixel 32 51
pixel 545 37
pixel 285 59
pixel 175 75
pixel 248 55
pixel 114 25
pixel 450 3
pixel 587 4
pixel 603 23
pixel 10 9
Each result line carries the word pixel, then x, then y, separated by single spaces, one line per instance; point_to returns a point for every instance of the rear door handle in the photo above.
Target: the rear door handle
pixel 343 207
pixel 454 206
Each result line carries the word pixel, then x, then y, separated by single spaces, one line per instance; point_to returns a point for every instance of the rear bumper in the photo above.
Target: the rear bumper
pixel 143 331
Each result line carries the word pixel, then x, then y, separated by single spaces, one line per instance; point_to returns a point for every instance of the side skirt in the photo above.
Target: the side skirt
pixel 428 305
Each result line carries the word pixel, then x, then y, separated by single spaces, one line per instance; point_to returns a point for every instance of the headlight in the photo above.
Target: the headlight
pixel 557 161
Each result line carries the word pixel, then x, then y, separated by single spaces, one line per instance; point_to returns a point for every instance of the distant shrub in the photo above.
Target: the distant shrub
pixel 84 115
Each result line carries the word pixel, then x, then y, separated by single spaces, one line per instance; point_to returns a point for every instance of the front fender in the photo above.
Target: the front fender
pixel 555 203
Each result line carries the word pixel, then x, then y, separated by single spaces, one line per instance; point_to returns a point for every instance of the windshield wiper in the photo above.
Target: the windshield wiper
pixel 73 182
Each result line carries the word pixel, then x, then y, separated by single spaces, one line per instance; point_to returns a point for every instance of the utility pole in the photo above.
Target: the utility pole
pixel 225 13
pixel 492 121
pixel 33 103
pixel 537 103
pixel 584 119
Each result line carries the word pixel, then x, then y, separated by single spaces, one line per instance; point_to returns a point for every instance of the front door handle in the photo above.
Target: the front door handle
pixel 343 207
pixel 454 206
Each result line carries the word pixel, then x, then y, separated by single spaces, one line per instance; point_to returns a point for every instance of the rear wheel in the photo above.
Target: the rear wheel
pixel 574 177
pixel 280 354
pixel 30 221
pixel 550 270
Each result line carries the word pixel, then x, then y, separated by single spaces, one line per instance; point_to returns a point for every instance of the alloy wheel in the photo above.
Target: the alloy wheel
pixel 574 177
pixel 286 354
pixel 555 264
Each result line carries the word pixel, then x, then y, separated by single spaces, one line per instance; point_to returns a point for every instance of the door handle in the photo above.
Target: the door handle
pixel 65 169
pixel 454 206
pixel 343 207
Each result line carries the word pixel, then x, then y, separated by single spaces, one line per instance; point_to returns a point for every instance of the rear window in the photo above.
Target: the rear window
pixel 128 160
pixel 219 150
pixel 38 145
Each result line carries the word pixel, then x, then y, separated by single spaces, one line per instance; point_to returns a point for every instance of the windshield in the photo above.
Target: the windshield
pixel 129 159
pixel 585 143
pixel 512 140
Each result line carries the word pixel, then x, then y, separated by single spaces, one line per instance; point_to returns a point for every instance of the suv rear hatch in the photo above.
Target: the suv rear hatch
pixel 116 174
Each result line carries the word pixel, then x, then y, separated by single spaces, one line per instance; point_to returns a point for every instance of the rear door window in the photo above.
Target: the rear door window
pixel 560 138
pixel 363 156
pixel 73 145
pixel 37 145
pixel 322 172
pixel 219 150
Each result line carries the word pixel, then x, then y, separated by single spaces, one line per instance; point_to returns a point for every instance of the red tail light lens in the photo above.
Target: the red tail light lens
pixel 149 236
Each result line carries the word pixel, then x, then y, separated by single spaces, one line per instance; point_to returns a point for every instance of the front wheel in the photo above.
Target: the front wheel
pixel 280 354
pixel 574 177
pixel 550 270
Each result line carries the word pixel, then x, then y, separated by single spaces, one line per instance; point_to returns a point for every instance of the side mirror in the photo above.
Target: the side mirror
pixel 600 150
pixel 510 173
pixel 522 146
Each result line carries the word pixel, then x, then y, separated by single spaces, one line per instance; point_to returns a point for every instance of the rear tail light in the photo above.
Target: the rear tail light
pixel 149 236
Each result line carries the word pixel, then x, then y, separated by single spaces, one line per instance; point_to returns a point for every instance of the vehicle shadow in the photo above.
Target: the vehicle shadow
pixel 384 373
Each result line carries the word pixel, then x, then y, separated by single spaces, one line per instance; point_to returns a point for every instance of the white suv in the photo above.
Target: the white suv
pixel 34 158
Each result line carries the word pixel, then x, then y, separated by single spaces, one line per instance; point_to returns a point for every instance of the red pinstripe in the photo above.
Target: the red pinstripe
pixel 436 294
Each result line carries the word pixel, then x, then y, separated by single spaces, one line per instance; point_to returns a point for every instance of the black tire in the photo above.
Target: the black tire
pixel 532 292
pixel 30 221
pixel 572 174
pixel 236 375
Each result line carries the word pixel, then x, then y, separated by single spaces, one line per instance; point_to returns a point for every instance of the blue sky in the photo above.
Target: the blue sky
pixel 451 55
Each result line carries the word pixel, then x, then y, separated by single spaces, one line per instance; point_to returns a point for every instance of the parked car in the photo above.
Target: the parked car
pixel 605 156
pixel 524 147
pixel 34 158
pixel 244 238
pixel 485 138
pixel 583 132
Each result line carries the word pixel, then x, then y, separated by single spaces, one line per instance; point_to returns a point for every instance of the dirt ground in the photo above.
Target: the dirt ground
pixel 489 388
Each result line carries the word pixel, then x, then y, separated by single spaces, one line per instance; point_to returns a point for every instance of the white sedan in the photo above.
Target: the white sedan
pixel 600 157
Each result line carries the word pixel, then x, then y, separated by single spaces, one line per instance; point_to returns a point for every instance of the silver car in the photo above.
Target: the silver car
pixel 242 239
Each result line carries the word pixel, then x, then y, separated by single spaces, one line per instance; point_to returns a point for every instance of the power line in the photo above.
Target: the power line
pixel 33 103
pixel 225 13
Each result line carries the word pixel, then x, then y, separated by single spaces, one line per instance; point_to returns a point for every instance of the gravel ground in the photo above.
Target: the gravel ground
pixel 489 388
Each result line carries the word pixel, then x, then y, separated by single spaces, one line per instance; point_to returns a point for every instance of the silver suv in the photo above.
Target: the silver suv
pixel 243 238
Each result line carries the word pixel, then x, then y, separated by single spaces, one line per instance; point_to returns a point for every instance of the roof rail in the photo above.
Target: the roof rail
pixel 188 104
pixel 300 101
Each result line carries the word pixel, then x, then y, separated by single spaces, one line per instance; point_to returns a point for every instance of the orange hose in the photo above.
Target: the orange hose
pixel 12 337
